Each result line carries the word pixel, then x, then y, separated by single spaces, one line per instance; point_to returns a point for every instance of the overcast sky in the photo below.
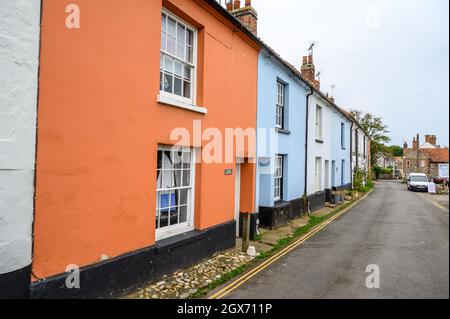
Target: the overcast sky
pixel 387 57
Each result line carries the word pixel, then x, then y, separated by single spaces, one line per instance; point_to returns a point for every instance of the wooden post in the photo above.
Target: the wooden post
pixel 245 232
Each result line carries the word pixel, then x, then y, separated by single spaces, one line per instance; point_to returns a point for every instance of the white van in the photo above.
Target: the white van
pixel 417 182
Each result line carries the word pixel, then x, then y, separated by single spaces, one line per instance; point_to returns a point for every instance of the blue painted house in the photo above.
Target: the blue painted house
pixel 281 121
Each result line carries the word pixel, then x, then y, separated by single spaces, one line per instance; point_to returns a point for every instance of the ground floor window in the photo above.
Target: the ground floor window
pixel 174 191
pixel 278 177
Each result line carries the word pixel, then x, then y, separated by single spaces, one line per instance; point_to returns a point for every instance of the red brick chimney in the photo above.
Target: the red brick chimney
pixel 308 70
pixel 247 15
pixel 431 139
pixel 415 143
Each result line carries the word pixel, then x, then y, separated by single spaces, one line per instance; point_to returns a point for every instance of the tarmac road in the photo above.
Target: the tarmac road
pixel 401 232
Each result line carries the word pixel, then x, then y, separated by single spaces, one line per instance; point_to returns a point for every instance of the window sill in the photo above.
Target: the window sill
pixel 282 131
pixel 319 141
pixel 166 100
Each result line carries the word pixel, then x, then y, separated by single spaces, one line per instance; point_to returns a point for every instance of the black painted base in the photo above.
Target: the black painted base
pixel 15 284
pixel 281 213
pixel 120 275
pixel 317 201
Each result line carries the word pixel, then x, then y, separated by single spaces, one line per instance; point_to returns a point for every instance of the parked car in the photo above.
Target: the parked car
pixel 417 182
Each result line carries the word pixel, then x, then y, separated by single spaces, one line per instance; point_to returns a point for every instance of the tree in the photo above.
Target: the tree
pixel 396 150
pixel 376 130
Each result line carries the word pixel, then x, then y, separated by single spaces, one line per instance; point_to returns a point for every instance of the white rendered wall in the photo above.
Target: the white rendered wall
pixel 316 149
pixel 19 60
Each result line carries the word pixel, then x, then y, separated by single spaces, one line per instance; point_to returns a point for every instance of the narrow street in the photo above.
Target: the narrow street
pixel 403 233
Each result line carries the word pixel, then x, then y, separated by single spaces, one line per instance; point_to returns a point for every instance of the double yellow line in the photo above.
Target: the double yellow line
pixel 240 281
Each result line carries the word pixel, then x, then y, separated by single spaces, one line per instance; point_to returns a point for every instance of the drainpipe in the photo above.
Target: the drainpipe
pixel 351 153
pixel 306 143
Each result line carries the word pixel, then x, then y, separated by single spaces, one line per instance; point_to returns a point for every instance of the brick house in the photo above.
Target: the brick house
pixel 424 158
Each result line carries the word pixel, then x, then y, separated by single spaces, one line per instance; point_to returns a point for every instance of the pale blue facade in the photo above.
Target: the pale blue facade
pixel 289 141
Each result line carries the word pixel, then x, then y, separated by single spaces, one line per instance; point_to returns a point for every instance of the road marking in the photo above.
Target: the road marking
pixel 438 205
pixel 246 277
pixel 433 202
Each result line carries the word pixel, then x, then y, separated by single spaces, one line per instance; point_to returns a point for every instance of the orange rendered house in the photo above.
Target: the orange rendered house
pixel 112 197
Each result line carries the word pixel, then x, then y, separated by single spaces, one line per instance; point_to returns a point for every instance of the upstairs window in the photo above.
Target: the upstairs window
pixel 319 123
pixel 177 58
pixel 280 105
pixel 343 136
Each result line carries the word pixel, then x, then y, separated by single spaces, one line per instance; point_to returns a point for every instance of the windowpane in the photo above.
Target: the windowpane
pixel 187 72
pixel 171 44
pixel 178 68
pixel 186 159
pixel 181 33
pixel 177 86
pixel 190 37
pixel 168 79
pixel 187 89
pixel 163 22
pixel 171 27
pixel 182 197
pixel 168 64
pixel 189 54
pixel 183 214
pixel 181 49
pixel 186 178
pixel 177 178
pixel 163 40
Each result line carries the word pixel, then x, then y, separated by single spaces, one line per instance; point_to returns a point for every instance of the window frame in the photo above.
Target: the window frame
pixel 278 159
pixel 179 228
pixel 167 96
pixel 319 122
pixel 280 105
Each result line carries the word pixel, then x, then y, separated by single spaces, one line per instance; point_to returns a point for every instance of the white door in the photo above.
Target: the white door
pixel 327 174
pixel 237 196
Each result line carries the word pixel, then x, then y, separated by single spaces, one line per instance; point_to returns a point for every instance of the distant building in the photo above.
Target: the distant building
pixel 425 158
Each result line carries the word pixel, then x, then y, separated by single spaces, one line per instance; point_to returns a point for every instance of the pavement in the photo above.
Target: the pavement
pixel 404 234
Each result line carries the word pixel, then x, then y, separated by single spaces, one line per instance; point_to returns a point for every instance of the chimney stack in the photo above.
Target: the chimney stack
pixel 308 70
pixel 431 139
pixel 416 143
pixel 405 146
pixel 247 15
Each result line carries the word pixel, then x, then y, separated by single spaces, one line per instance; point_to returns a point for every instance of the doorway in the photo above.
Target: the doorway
pixel 333 173
pixel 327 174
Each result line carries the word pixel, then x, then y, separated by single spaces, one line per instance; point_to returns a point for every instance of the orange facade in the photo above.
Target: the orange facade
pixel 99 126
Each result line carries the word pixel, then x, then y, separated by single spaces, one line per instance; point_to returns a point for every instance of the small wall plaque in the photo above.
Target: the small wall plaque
pixel 228 172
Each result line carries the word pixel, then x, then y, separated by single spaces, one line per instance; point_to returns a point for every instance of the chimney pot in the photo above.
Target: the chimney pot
pixel 305 60
pixel 229 5
pixel 246 15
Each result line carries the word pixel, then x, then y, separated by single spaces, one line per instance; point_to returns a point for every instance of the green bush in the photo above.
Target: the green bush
pixel 358 179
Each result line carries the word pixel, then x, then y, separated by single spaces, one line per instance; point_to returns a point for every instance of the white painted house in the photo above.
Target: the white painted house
pixel 19 59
